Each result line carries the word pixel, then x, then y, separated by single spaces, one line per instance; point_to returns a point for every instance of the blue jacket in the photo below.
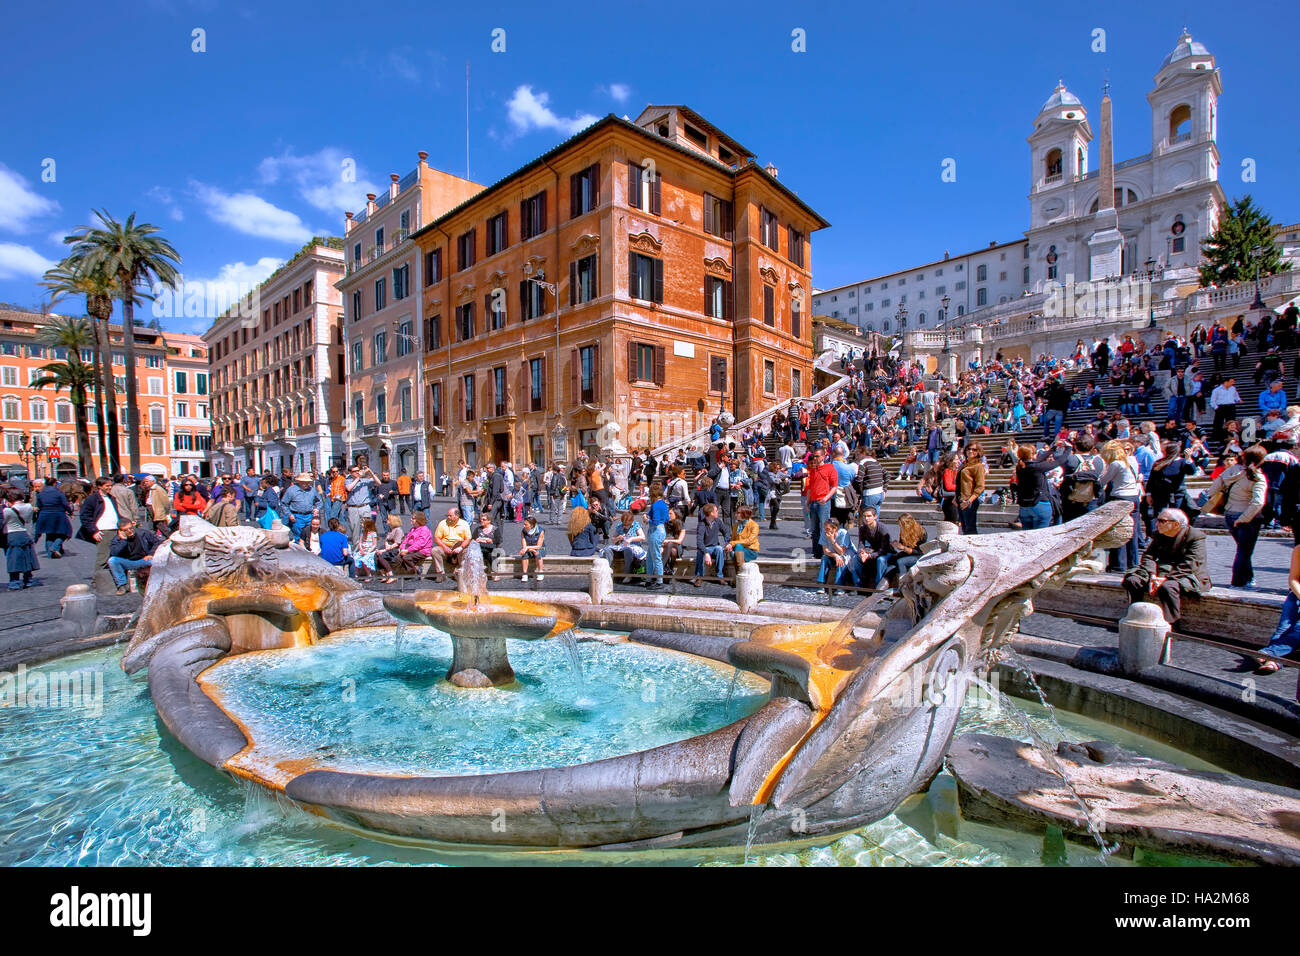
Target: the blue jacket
pixel 1269 400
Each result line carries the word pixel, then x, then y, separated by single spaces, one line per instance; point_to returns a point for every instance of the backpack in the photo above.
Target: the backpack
pixel 1081 485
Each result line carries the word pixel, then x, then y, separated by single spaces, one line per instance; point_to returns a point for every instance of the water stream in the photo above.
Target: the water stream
pixel 731 690
pixel 570 643
pixel 399 635
pixel 756 812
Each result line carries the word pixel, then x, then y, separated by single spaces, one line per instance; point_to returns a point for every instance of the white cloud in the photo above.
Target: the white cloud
pixel 528 111
pixel 164 196
pixel 403 67
pixel 620 91
pixel 22 262
pixel 252 215
pixel 198 299
pixel 329 179
pixel 19 203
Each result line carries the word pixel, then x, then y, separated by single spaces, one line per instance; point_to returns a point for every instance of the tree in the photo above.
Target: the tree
pixel 136 257
pixel 76 376
pixel 1228 253
pixel 72 277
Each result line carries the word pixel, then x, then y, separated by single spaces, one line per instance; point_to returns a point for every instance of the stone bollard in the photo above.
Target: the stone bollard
pixel 78 616
pixel 749 587
pixel 601 581
pixel 1143 636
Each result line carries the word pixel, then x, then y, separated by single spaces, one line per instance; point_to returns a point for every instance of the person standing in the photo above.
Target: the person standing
pixel 656 520
pixel 124 497
pixel 53 512
pixel 1286 637
pixel 16 515
pixel 819 487
pixel 385 498
pixel 1224 400
pixel 404 492
pixel 99 523
pixel 556 487
pixel 1245 492
pixel 1122 481
pixel 302 502
pixel 970 486
pixel 157 506
pixel 421 495
pixel 358 486
pixel 250 484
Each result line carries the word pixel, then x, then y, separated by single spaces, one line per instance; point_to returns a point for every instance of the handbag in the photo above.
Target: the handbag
pixel 1214 504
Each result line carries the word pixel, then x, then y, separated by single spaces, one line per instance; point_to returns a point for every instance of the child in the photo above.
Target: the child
pixel 908 468
pixel 517 500
pixel 534 546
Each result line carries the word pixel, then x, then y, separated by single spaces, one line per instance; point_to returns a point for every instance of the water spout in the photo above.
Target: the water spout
pixel 471 579
pixel 570 643
pixel 399 634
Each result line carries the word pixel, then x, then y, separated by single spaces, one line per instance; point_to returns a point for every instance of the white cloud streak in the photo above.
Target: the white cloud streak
pixel 20 203
pixel 529 111
pixel 251 214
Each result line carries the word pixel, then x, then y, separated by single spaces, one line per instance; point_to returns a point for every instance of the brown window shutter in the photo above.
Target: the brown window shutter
pixel 542 217
pixel 575 366
pixel 573 283
pixel 729 226
pixel 574 191
pixel 709 227
pixel 633 184
pixel 523 300
pixel 659 364
pixel 523 220
pixel 654 194
pixel 595 372
pixel 713 374
pixel 728 300
pixel 708 299
pixel 658 294
pixel 631 274
pixel 546 393
pixel 631 362
pixel 594 172
pixel 487 311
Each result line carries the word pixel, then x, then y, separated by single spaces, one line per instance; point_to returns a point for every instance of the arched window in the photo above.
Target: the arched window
pixel 1180 123
pixel 884 326
pixel 921 318
pixel 1052 165
pixel 1123 197
pixel 1178 232
pixel 981 273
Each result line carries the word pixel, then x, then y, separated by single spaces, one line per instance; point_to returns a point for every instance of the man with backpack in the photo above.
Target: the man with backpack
pixel 1082 481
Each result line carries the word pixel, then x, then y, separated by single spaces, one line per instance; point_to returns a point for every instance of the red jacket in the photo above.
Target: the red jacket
pixel 820 482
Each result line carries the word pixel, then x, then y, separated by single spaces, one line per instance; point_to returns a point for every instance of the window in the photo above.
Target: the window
pixel 643 192
pixel 405 340
pixel 532 216
pixel 401 282
pixel 537 384
pixel 404 222
pixel 794 249
pixel 1177 230
pixel 645 363
pixel 981 273
pixel 11 410
pixel 717 374
pixel 119 358
pixel 379 240
pixel 1052 165
pixel 9 375
pixel 532 299
pixel 585 381
pixel 465 321
pixel 306 294
pixel 381 408
pixel 357 359
pixel 38 410
pixel 584 191
pixel 435 403
pixel 159 449
pixel 381 293
pixel 645 277
pixel 981 296
pixel 582 280
pixel 796 325
pixel 499 391
pixel 718 217
pixel 404 403
pixel 182 382
pixel 494 309
pixel 433 332
pixel 717 298
pixel 63 413
pixel 767 229
pixel 356 255
pixel 1180 124
pixel 465 247
pixel 356 305
pixel 1026 276
pixel 182 410
pixel 155 386
pixel 432 267
pixel 769 305
pixel 695 136
pixel 1002 277
pixel 960 285
pixel 358 411
pixel 796 383
pixel 380 350
pixel 769 377
pixel 497 233
pixel 200 383
pixel 297 300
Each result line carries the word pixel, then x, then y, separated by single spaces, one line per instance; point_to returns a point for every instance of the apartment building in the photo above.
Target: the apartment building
pixel 36 418
pixel 276 368
pixel 620 289
pixel 190 420
pixel 383 321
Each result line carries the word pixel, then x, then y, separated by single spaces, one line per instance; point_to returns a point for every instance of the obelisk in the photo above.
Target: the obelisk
pixel 1106 245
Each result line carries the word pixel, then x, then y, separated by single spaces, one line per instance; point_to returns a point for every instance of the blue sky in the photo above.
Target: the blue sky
pixel 235 152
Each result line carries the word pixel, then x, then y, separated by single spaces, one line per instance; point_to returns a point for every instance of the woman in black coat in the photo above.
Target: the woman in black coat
pixel 53 511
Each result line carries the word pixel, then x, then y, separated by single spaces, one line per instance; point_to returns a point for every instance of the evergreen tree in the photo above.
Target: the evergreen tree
pixel 1228 254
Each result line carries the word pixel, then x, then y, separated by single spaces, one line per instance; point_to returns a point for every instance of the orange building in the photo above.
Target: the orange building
pixel 37 418
pixel 622 288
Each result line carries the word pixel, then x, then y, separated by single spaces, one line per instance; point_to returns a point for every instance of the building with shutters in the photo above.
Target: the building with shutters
pixel 189 439
pixel 276 363
pixel 619 290
pixel 382 317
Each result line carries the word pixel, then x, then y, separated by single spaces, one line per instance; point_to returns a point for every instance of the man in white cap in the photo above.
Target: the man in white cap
pixel 301 500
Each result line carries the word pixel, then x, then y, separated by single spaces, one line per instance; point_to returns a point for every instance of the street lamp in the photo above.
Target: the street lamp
pixel 944 302
pixel 901 316
pixel 1257 251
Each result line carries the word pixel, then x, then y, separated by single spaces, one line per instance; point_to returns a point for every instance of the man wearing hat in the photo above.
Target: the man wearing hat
pixel 302 500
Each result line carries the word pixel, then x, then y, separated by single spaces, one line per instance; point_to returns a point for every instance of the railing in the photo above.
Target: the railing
pixel 823 362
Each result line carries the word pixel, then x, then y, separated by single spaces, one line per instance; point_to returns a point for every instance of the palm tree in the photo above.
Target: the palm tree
pixel 72 277
pixel 76 376
pixel 136 257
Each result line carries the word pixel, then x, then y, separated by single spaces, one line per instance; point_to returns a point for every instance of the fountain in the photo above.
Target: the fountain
pixel 479 624
pixel 246 640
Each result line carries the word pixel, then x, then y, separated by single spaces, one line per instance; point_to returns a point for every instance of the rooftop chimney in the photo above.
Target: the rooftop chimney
pixel 348 223
pixel 424 157
pixel 370 204
pixel 770 169
pixel 392 186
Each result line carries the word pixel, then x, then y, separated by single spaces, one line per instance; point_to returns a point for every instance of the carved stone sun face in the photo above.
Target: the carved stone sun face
pixel 231 551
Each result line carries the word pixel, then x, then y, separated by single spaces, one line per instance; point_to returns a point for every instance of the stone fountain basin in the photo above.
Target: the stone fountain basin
pixel 488 616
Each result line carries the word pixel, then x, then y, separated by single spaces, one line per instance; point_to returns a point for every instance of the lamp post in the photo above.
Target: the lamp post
pixel 24 449
pixel 1258 304
pixel 901 316
pixel 1151 273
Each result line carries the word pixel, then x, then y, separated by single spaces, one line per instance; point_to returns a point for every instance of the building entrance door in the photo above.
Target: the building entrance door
pixel 501 447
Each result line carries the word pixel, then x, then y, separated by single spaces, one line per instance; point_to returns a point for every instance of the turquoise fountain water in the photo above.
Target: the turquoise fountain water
pixel 109 786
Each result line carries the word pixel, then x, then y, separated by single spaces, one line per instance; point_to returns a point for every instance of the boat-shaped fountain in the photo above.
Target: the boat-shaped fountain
pixel 853 717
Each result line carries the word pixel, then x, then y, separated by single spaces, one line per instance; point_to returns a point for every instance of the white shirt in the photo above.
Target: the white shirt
pixel 108 520
pixel 1223 395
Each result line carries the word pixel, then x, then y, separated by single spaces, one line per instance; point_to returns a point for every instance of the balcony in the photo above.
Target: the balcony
pixel 374 430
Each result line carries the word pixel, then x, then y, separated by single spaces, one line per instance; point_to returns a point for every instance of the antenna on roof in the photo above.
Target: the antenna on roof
pixel 467 119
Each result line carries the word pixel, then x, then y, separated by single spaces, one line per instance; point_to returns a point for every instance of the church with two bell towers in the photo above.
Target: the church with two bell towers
pixel 1092 218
